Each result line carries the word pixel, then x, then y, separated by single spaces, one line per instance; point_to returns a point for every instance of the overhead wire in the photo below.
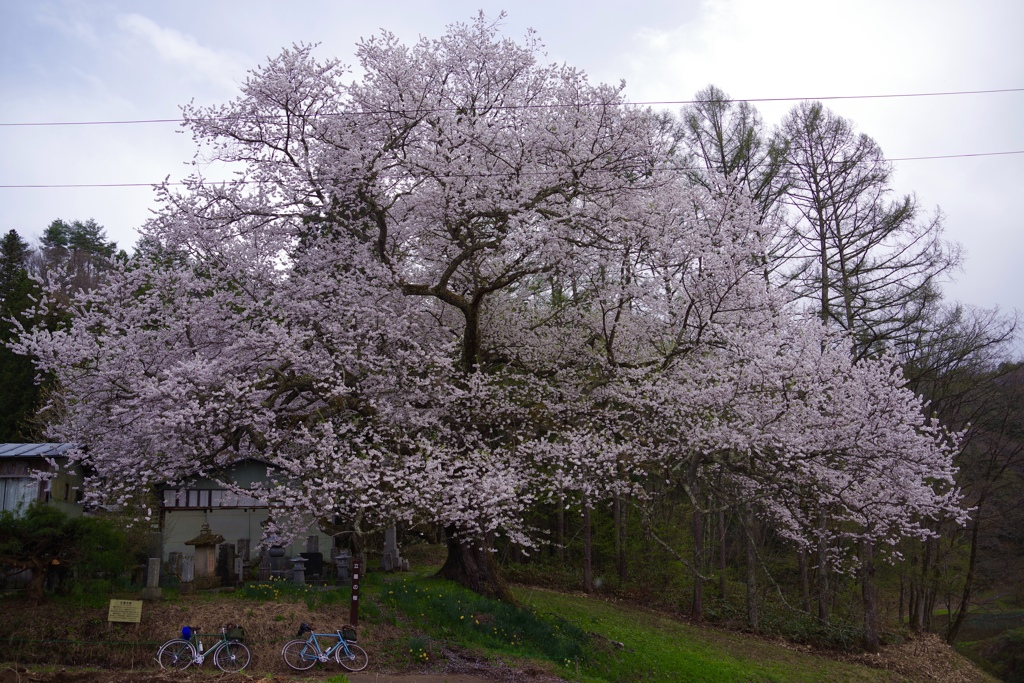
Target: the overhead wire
pixel 508 107
pixel 428 110
pixel 682 169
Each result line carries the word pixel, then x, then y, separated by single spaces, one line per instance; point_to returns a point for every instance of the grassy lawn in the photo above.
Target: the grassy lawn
pixel 595 641
pixel 657 648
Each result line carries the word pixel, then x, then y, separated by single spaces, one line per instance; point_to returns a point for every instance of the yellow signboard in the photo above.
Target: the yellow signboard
pixel 125 610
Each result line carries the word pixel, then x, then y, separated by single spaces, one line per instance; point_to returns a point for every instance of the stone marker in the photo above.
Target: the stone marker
pixel 242 549
pixel 152 590
pixel 188 564
pixel 391 549
pixel 299 572
pixel 343 562
pixel 206 547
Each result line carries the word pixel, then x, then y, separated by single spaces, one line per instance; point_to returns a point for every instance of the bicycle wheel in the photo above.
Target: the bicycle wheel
pixel 299 655
pixel 232 656
pixel 175 654
pixel 355 660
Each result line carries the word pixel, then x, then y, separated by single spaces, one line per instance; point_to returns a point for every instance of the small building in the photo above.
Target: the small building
pixel 21 483
pixel 205 506
pixel 187 511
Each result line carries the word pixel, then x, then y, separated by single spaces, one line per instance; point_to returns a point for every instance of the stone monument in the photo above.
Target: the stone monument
pixel 206 557
pixel 392 560
pixel 152 590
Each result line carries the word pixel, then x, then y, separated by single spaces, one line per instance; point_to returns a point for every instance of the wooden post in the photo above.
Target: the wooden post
pixel 357 570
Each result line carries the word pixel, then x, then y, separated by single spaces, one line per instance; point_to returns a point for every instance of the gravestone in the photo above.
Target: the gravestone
pixel 343 566
pixel 226 564
pixel 152 590
pixel 263 573
pixel 187 584
pixel 242 549
pixel 205 558
pixel 314 565
pixel 392 560
pixel 173 565
pixel 299 570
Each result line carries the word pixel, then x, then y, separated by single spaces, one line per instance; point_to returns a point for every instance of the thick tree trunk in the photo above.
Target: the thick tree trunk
pixel 869 596
pixel 965 598
pixel 697 606
pixel 588 568
pixel 471 565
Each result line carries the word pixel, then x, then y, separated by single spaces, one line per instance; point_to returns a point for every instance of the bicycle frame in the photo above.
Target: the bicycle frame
pixel 229 654
pixel 302 653
pixel 324 655
pixel 201 654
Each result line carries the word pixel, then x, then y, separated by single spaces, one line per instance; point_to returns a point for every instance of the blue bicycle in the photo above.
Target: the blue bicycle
pixel 302 653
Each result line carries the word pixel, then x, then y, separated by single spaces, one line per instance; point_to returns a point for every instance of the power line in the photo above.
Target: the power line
pixel 74 185
pixel 464 175
pixel 956 156
pixel 514 107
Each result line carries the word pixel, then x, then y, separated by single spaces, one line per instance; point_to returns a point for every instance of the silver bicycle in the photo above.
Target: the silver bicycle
pixel 228 652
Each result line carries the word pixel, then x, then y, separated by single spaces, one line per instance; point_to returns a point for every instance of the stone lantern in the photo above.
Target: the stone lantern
pixel 206 553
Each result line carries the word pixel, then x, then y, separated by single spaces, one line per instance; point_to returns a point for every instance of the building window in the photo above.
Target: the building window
pixel 207 498
pixel 17 492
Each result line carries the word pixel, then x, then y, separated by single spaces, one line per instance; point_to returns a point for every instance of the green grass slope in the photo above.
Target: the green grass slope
pixel 657 648
pixel 595 641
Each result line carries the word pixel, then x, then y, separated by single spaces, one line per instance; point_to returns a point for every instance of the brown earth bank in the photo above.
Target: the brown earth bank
pixel 17 674
pixel 52 642
pixel 924 658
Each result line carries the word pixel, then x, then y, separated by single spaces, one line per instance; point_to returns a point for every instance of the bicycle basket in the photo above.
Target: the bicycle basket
pixel 236 633
pixel 348 632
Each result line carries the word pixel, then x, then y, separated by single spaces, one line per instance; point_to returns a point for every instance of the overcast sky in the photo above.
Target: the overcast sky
pixel 90 60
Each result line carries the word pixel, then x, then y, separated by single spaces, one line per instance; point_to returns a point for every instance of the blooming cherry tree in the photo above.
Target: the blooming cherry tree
pixel 463 283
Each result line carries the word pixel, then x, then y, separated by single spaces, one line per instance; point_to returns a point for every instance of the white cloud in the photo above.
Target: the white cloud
pixel 66 21
pixel 220 68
